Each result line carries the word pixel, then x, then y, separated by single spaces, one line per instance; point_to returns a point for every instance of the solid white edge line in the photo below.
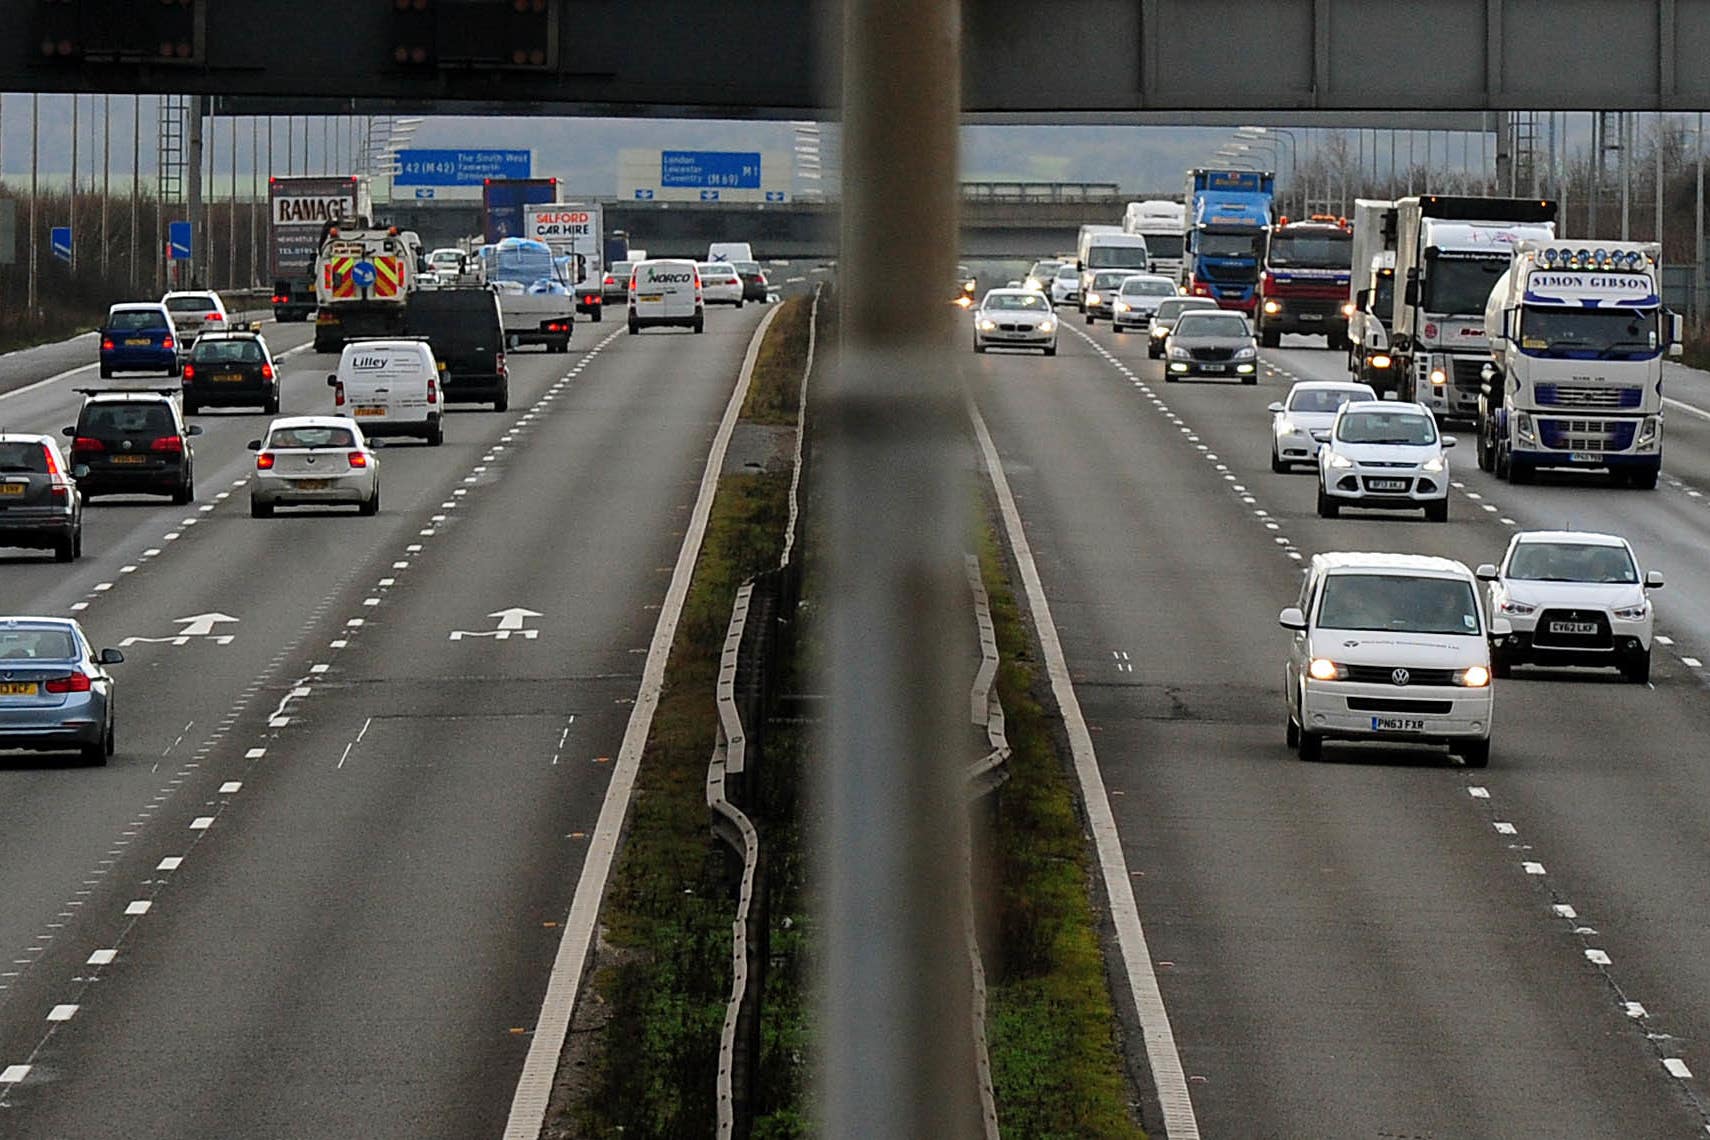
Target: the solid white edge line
pixel 54 379
pixel 1168 1078
pixel 540 1068
pixel 1691 409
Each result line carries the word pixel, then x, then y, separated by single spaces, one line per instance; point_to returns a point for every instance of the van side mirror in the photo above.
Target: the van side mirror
pixel 1676 335
pixel 1486 572
pixel 1501 627
pixel 1654 580
pixel 332 380
pixel 1410 293
pixel 1292 618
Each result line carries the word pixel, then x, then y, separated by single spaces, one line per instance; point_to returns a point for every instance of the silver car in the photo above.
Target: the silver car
pixel 55 692
pixel 1212 344
pixel 194 313
pixel 314 461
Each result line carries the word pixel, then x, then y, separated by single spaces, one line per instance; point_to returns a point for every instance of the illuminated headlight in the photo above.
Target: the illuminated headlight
pixel 1177 366
pixel 1517 608
pixel 1634 613
pixel 1033 283
pixel 1047 326
pixel 1337 459
pixel 1378 360
pixel 1347 308
pixel 987 324
pixel 1159 332
pixel 970 285
pixel 1273 307
pixel 1650 433
pixel 1092 298
pixel 1473 677
pixel 1284 426
pixel 1324 669
pixel 1179 353
pixel 1438 378
pixel 1523 427
pixel 1122 306
pixel 1434 464
pixel 1246 353
pixel 1244 369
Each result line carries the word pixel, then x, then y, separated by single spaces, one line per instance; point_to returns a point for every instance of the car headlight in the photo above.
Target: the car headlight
pixel 1438 377
pixel 1283 426
pixel 1337 459
pixel 1246 353
pixel 1122 306
pixel 987 324
pixel 1273 307
pixel 1523 427
pixel 1434 464
pixel 1159 332
pixel 1092 298
pixel 1473 677
pixel 1047 326
pixel 1634 613
pixel 1347 308
pixel 1179 353
pixel 1378 360
pixel 1519 609
pixel 1324 669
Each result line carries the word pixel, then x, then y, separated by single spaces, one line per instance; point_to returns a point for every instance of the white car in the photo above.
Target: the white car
pixel 194 313
pixel 1385 455
pixel 1573 598
pixel 447 259
pixel 1391 648
pixel 1138 298
pixel 721 284
pixel 1311 405
pixel 1015 318
pixel 314 461
pixel 1066 286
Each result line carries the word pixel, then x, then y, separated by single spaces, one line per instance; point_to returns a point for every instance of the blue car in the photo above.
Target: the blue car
pixel 55 691
pixel 139 336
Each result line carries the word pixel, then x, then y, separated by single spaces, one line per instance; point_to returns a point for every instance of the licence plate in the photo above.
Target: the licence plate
pixel 1213 368
pixel 1387 484
pixel 370 411
pixel 225 377
pixel 17 688
pixel 11 488
pixel 1584 457
pixel 1397 724
pixel 138 340
pixel 312 484
pixel 1312 316
pixel 130 459
pixel 651 298
pixel 1584 628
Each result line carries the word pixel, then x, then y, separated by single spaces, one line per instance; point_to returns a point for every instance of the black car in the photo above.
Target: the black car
pixel 754 283
pixel 131 441
pixel 467 335
pixel 40 506
pixel 230 370
pixel 616 284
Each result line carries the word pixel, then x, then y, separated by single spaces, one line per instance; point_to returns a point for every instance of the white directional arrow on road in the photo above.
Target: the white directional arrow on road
pixel 197 626
pixel 511 621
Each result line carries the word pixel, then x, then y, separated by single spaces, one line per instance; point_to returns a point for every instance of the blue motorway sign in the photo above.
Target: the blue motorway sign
pixel 709 195
pixel 645 196
pixel 775 196
pixel 461 167
pixel 710 169
pixel 178 241
pixel 59 237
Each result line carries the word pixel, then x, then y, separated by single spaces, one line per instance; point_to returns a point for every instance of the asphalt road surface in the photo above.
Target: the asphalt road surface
pixel 1384 943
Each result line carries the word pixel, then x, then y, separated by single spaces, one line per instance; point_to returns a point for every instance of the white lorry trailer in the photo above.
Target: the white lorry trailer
pixel 1161 221
pixel 1371 294
pixel 1573 379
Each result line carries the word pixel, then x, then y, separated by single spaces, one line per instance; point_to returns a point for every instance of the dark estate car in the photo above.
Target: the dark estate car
pixel 133 442
pixel 40 506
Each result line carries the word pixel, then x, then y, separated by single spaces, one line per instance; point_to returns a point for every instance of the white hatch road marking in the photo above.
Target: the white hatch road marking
pixel 1534 868
pixel 1597 957
pixel 1168 1076
pixel 534 1085
pixel 140 906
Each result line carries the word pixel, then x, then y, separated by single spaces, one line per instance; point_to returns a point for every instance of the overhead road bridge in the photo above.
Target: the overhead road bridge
pixel 1132 59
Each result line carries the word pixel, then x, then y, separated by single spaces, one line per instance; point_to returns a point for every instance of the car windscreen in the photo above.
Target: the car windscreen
pixel 190 304
pixel 1012 301
pixel 1170 310
pixel 1572 562
pixel 748 267
pixel 134 320
pixel 717 272
pixel 1416 428
pixel 1227 245
pixel 22 457
pixel 1398 603
pixel 622 268
pixel 1147 287
pixel 36 645
pixel 1194 324
pixel 311 436
pixel 1326 399
pixel 226 352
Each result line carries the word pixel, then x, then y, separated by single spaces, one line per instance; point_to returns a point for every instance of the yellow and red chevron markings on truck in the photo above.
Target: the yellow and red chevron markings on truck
pixel 338 281
pixel 388 276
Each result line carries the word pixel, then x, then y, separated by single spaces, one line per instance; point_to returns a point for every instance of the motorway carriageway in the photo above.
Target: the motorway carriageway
pixel 1383 943
pixel 319 890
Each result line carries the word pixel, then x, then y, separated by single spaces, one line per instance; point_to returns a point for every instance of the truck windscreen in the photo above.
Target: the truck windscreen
pixel 1228 245
pixel 1311 251
pixel 1584 334
pixel 1164 245
pixel 1384 303
pixel 1116 257
pixel 1459 286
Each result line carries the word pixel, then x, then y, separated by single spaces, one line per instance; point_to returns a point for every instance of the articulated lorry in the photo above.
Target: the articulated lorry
pixel 1577 335
pixel 299 212
pixel 1228 212
pixel 363 281
pixel 1371 294
pixel 1449 251
pixel 505 203
pixel 1303 283
pixel 1160 221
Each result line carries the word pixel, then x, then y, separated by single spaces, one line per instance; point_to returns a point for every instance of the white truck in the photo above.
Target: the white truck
pixel 363 281
pixel 1449 251
pixel 1574 374
pixel 535 298
pixel 575 230
pixel 1162 222
pixel 1371 294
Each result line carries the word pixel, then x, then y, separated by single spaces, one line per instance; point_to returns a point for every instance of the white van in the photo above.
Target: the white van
pixel 390 387
pixel 666 291
pixel 730 251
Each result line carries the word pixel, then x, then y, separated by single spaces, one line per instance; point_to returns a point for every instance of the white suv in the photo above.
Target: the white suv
pixel 1389 647
pixel 1572 598
pixel 1383 454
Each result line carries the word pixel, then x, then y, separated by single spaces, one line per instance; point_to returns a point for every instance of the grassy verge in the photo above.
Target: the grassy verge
pixel 664 971
pixel 1056 1063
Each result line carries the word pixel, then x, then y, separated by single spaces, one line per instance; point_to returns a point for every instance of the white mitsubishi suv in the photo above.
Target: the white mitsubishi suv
pixel 1389 648
pixel 1572 598
pixel 1383 454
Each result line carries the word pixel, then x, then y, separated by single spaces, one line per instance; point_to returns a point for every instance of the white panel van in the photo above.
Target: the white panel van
pixel 390 387
pixel 666 291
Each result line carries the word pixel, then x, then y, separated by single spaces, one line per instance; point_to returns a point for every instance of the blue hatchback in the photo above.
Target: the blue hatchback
pixel 139 337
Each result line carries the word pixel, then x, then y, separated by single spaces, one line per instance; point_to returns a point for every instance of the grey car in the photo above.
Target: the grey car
pixel 55 692
pixel 40 504
pixel 1164 319
pixel 1217 344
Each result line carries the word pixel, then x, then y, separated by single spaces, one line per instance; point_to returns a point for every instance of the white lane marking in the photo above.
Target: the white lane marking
pixel 1563 910
pixel 1692 662
pixel 1505 828
pixel 534 1085
pixel 1635 1009
pixel 1534 868
pixel 1506 521
pixel 54 379
pixel 1677 1068
pixel 1597 957
pixel 170 863
pixel 1661 640
pixel 140 906
pixel 231 787
pixel 1690 409
pixel 1168 1076
pixel 62 1013
pixel 202 823
pixel 102 958
pixel 12 1074
pixel 255 754
pixel 1478 793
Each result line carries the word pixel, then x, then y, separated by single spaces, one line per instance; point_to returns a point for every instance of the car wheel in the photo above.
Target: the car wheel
pixel 1437 511
pixel 1170 377
pixel 599 312
pixel 1499 460
pixel 979 348
pixel 1475 753
pixel 1637 668
pixel 77 542
pixel 271 408
pixel 1485 460
pixel 106 373
pixel 1311 745
pixel 1090 318
pixel 503 401
pixel 1116 328
pixel 370 506
pixel 1277 465
pixel 739 304
pixel 258 510
pixel 1328 508
pixel 1501 662
pixel 700 322
pixel 1291 734
pixel 96 754
pixel 436 432
pixel 1250 379
pixel 65 549
pixel 185 494
pixel 191 407
pixel 1152 352
pixel 633 327
pixel 1270 338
